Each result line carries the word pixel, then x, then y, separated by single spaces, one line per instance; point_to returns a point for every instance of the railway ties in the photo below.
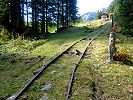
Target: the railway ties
pixel 44 67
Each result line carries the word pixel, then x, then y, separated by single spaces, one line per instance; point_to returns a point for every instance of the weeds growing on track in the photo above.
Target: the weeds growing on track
pixel 115 81
pixel 20 58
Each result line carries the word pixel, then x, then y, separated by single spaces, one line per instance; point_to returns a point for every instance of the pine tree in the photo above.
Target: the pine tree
pixel 72 10
pixel 124 14
pixel 98 15
pixel 43 18
pixel 22 15
pixel 17 15
pixel 4 13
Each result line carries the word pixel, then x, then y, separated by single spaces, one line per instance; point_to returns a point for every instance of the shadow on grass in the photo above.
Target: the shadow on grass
pixel 127 62
pixel 124 58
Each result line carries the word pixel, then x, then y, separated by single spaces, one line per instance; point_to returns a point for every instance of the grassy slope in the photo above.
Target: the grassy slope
pixel 57 75
pixel 112 80
pixel 20 58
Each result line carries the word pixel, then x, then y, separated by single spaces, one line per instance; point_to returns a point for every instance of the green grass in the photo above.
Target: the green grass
pixel 19 58
pixel 58 75
pixel 60 78
pixel 113 79
pixel 82 89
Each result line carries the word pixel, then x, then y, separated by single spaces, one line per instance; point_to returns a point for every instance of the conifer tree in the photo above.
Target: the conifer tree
pixel 17 15
pixel 123 11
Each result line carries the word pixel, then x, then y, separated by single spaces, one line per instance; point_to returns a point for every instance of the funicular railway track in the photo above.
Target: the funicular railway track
pixel 44 67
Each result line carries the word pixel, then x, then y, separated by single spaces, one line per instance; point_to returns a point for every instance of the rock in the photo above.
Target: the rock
pixel 47 87
pixel 45 97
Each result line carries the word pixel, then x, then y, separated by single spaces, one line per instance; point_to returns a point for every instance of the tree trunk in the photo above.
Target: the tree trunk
pixel 18 24
pixel 43 19
pixel 22 14
pixel 36 23
pixel 33 14
pixel 46 16
pixel 58 15
pixel 13 8
pixel 62 13
pixel 67 13
pixel 27 12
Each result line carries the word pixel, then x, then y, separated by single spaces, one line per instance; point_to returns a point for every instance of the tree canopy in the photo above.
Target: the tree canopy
pixel 16 15
pixel 123 11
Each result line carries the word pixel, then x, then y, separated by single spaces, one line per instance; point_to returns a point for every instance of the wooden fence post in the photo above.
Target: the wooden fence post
pixel 112 48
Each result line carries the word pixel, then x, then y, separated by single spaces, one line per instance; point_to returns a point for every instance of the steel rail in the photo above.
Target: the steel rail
pixel 42 69
pixel 76 65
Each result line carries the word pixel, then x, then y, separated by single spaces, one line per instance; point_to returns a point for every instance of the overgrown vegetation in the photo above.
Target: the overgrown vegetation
pixel 112 81
pixel 122 10
pixel 20 58
pixel 18 15
pixel 4 34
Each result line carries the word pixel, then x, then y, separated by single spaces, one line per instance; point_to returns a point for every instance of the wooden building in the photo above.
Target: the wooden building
pixel 104 16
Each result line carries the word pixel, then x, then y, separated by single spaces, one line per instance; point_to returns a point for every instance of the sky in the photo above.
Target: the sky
pixel 92 5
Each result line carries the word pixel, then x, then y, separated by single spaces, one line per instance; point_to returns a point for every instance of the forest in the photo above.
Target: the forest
pixel 17 16
pixel 38 15
pixel 50 52
pixel 123 11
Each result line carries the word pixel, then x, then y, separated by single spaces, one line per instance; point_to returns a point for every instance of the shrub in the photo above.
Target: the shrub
pixel 122 56
pixel 4 34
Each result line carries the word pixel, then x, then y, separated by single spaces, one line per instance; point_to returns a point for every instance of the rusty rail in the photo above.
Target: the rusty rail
pixel 76 65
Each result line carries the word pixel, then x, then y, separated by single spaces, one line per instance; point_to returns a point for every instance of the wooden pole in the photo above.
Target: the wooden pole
pixel 112 48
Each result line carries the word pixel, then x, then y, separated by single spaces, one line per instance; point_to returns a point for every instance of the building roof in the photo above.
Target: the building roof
pixel 104 14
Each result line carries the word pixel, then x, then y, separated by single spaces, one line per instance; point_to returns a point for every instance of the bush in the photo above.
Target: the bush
pixel 4 34
pixel 121 56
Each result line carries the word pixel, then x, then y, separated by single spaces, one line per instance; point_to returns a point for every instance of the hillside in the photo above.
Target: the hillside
pixel 21 58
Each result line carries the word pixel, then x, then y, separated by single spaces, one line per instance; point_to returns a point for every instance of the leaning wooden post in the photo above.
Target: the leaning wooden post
pixel 111 48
